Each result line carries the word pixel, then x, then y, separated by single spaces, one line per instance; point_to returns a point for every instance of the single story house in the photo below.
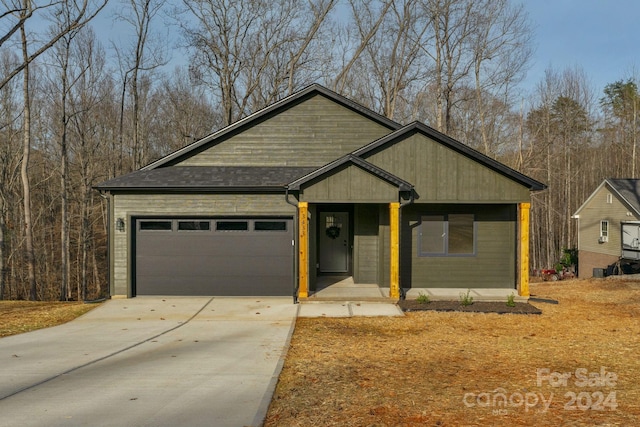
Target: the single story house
pixel 314 185
pixel 609 225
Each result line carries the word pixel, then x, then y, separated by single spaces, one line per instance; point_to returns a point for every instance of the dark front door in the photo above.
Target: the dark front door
pixel 334 242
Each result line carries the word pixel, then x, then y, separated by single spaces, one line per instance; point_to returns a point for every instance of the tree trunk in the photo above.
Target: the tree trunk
pixel 64 208
pixel 24 170
pixel 2 249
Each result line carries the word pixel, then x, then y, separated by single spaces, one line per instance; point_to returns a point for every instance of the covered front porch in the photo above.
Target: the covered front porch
pixel 367 260
pixel 331 289
pixel 372 230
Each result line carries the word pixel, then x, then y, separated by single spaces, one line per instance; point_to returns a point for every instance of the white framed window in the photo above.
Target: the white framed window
pixel 609 198
pixel 604 231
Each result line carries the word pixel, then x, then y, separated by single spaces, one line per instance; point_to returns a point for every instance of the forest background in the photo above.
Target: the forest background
pixel 78 107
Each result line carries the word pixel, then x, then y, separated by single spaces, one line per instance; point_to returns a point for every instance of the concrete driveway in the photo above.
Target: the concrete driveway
pixel 149 361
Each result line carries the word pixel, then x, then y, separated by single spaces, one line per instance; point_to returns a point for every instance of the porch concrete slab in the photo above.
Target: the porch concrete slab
pixel 372 310
pixel 352 292
pixel 453 294
pixel 348 309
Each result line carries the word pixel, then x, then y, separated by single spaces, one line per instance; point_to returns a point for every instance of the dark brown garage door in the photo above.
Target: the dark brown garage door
pixel 223 256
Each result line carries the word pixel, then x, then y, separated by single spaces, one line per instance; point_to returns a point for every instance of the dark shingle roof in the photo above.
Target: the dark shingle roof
pixel 628 189
pixel 207 178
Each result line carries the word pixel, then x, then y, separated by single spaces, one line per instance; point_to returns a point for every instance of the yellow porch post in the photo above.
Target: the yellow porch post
pixel 394 244
pixel 303 250
pixel 523 252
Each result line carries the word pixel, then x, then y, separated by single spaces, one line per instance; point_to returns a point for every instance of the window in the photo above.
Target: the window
pixel 194 226
pixel 604 231
pixel 270 226
pixel 155 225
pixel 609 198
pixel 447 235
pixel 232 226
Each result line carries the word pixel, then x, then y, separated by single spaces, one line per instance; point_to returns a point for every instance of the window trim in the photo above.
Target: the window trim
pixel 604 231
pixel 194 230
pixel 255 221
pixel 154 230
pixel 446 253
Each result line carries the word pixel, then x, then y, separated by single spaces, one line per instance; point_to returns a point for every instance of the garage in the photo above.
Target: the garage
pixel 214 256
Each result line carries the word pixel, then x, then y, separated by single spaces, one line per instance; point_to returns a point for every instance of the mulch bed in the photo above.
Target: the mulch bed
pixel 500 307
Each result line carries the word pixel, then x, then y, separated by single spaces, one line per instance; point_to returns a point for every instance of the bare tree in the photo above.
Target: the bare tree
pixel 501 46
pixel 67 77
pixel 9 159
pixel 394 55
pixel 621 102
pixel 184 114
pixel 19 13
pixel 368 17
pixel 147 53
pixel 248 53
pixel 86 99
pixel 26 152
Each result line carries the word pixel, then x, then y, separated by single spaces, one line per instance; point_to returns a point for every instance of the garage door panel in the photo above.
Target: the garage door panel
pixel 213 245
pixel 222 286
pixel 214 262
pixel 224 265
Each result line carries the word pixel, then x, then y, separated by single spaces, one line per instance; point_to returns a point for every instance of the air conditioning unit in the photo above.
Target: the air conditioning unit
pixel 603 239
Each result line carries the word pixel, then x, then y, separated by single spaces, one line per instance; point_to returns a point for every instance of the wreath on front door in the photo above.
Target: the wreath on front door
pixel 333 232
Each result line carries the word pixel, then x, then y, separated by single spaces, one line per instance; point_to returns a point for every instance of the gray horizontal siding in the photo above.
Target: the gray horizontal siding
pixel 440 174
pixel 127 205
pixel 350 184
pixel 597 209
pixel 312 133
pixel 365 244
pixel 493 266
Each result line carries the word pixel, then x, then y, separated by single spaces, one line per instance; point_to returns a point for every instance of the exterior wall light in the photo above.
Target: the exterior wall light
pixel 120 224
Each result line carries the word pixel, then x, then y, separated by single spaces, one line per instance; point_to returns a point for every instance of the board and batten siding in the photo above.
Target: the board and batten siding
pixel 597 209
pixel 127 206
pixel 348 185
pixel 311 133
pixel 440 174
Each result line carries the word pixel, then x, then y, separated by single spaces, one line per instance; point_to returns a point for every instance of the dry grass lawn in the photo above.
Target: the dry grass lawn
pixel 24 316
pixel 451 369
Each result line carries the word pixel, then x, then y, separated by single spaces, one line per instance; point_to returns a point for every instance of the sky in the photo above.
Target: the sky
pixel 600 36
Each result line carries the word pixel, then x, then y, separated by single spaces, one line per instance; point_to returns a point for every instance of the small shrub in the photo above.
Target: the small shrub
pixel 423 299
pixel 511 300
pixel 465 298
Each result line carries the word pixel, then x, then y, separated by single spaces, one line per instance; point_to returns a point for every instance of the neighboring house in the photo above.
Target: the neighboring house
pixel 608 225
pixel 315 185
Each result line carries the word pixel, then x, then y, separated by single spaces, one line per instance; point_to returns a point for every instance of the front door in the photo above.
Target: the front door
pixel 334 242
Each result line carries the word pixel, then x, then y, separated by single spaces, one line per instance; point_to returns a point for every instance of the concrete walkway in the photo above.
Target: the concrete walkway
pixel 149 362
pixel 340 297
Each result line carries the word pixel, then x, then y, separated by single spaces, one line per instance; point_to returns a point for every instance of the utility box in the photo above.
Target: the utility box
pixel 599 273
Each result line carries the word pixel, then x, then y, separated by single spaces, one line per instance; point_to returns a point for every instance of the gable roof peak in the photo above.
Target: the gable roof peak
pixel 452 144
pixel 281 105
